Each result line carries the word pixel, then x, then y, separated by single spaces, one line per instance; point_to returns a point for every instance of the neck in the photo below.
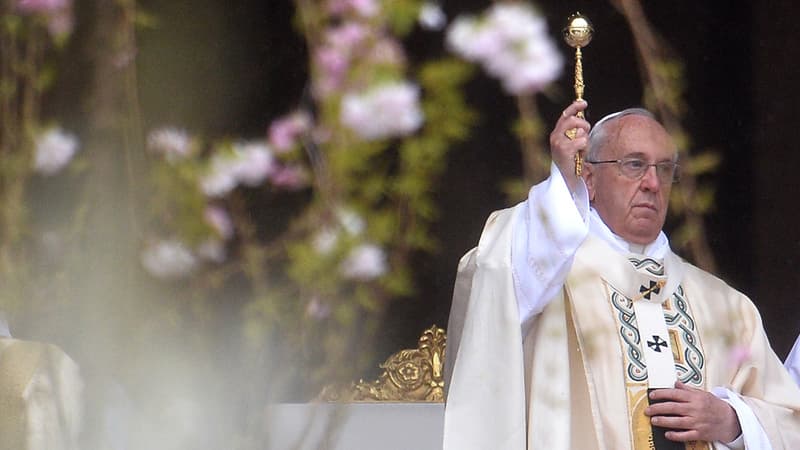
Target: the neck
pixel 657 248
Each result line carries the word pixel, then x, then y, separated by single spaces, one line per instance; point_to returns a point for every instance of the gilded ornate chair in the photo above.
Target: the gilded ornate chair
pixel 410 375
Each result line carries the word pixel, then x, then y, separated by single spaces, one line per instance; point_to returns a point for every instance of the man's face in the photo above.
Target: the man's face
pixel 634 209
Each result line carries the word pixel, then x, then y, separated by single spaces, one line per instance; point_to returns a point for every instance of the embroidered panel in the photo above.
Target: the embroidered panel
pixel 688 355
pixel 649 265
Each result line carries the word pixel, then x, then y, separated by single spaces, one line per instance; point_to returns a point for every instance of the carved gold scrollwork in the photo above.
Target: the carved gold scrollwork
pixel 410 375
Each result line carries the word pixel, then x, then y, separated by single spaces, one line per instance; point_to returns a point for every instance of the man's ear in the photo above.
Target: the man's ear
pixel 588 178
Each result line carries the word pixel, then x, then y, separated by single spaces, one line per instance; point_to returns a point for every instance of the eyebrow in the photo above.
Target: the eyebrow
pixel 642 156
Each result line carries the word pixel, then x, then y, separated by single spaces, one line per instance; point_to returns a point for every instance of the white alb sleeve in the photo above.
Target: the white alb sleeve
pixel 753 435
pixel 547 234
pixel 792 362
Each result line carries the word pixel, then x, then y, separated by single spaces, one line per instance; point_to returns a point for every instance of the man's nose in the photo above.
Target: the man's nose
pixel 650 180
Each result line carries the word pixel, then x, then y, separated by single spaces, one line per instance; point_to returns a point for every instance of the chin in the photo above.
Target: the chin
pixel 643 236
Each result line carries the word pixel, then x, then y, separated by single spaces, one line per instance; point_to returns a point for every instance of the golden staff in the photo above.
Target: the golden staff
pixel 577 34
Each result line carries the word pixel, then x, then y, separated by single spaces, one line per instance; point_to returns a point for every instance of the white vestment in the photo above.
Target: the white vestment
pixel 792 362
pixel 40 395
pixel 572 377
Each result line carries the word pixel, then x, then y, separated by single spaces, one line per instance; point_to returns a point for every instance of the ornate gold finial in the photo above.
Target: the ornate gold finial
pixel 410 375
pixel 577 34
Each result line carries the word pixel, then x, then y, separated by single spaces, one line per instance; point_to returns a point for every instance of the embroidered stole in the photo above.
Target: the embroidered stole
pixel 635 332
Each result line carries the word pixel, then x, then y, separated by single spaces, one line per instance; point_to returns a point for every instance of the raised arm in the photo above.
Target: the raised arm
pixel 553 223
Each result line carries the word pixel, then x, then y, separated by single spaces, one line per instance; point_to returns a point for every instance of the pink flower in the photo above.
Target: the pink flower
pixel 364 8
pixel 168 259
pixel 325 240
pixel 255 163
pixel 387 51
pixel 333 62
pixel 172 143
pixel 334 56
pixel 385 111
pixel 431 16
pixel 283 132
pixel 58 12
pixel 350 221
pixel 346 35
pixel 221 177
pixel 290 177
pixel 212 250
pixel 472 41
pixel 365 262
pixel 54 150
pixel 511 43
pixel 248 163
pixel 42 6
pixel 318 309
pixel 60 23
pixel 220 221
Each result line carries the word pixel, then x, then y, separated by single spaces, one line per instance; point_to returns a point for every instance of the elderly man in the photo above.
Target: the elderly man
pixel 574 326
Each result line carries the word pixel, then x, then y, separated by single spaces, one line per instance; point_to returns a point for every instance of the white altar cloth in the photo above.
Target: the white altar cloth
pixel 355 426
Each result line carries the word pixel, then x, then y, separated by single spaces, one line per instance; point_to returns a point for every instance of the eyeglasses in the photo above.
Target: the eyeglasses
pixel 635 168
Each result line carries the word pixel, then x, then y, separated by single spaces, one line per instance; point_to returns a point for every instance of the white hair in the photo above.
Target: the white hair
pixel 598 136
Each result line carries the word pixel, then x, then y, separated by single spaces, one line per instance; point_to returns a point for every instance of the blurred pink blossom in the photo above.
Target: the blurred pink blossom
pixel 42 6
pixel 325 240
pixel 346 35
pixel 388 110
pixel 364 8
pixel 220 178
pixel 220 221
pixel 291 177
pixel 60 20
pixel 172 143
pixel 255 163
pixel 283 132
pixel 60 23
pixel 168 259
pixel 249 163
pixel 333 58
pixel 387 51
pixel 511 42
pixel 125 57
pixel 365 262
pixel 332 61
pixel 212 250
pixel 54 150
pixel 431 16
pixel 351 221
pixel 347 220
pixel 318 309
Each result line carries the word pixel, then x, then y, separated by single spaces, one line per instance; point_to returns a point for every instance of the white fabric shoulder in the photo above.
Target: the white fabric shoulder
pixel 792 362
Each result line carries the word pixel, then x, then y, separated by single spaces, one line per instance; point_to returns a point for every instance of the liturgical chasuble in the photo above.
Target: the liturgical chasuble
pixel 579 378
pixel 40 390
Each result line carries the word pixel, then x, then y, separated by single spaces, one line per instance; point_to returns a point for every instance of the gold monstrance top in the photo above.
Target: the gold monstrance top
pixel 578 33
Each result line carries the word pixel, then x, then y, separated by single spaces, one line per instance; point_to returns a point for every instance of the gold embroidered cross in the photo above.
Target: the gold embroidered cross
pixel 655 288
